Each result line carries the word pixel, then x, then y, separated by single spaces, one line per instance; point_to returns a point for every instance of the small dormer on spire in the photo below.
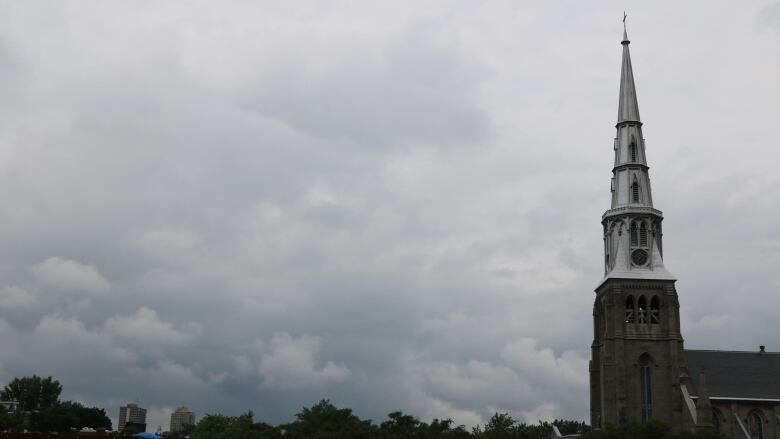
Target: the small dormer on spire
pixel 628 107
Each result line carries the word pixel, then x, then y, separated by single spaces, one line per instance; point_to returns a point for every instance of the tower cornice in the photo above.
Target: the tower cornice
pixel 632 210
pixel 628 122
pixel 629 166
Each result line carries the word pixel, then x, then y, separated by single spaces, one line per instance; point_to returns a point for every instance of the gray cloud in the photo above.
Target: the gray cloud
pixel 395 206
pixel 62 274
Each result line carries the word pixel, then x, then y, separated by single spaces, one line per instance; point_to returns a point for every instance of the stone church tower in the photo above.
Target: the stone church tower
pixel 637 351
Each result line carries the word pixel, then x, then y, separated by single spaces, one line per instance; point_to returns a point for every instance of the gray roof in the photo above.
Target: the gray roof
pixel 749 375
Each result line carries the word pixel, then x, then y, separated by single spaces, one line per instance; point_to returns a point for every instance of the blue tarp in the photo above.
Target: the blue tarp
pixel 147 436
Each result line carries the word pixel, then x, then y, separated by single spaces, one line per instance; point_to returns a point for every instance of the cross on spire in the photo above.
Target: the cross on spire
pixel 625 34
pixel 628 109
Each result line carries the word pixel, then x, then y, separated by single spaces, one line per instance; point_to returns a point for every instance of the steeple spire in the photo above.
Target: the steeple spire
pixel 637 347
pixel 632 226
pixel 628 107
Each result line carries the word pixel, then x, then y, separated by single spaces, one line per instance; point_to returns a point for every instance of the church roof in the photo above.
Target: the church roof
pixel 736 374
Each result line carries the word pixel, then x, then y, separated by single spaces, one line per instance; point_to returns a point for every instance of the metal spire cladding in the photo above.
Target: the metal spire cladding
pixel 628 107
pixel 632 226
pixel 631 180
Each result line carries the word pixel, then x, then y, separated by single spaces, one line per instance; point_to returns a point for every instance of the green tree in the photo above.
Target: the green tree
pixel 13 421
pixel 40 397
pixel 570 427
pixel 500 426
pixel 503 426
pixel 33 393
pixel 55 418
pixel 186 432
pixel 232 427
pixel 442 428
pixel 86 417
pixel 68 416
pixel 324 421
pixel 399 425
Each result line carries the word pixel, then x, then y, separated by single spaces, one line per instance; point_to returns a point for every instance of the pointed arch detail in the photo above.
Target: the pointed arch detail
pixel 655 310
pixel 755 421
pixel 646 386
pixel 641 314
pixel 635 191
pixel 630 313
pixel 643 234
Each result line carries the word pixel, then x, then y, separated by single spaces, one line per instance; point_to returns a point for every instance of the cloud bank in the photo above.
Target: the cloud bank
pixel 393 205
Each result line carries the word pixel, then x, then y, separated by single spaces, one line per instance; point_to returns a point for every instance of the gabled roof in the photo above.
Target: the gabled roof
pixel 734 374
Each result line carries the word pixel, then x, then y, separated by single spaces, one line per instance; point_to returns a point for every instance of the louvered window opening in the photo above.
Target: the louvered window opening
pixel 635 192
pixel 642 310
pixel 655 310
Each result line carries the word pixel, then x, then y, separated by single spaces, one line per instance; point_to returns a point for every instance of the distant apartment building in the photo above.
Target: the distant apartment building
pixel 181 417
pixel 131 414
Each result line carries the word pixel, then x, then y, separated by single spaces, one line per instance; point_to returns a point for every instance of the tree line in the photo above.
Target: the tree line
pixel 40 409
pixel 325 421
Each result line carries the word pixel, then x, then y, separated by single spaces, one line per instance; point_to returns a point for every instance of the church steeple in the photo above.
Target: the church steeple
pixel 628 107
pixel 632 227
pixel 637 347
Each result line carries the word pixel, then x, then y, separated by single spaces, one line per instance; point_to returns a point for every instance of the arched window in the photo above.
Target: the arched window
pixel 643 234
pixel 634 235
pixel 655 310
pixel 646 386
pixel 756 425
pixel 635 192
pixel 632 147
pixel 630 309
pixel 642 310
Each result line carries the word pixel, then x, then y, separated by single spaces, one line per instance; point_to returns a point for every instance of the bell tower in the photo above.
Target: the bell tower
pixel 636 355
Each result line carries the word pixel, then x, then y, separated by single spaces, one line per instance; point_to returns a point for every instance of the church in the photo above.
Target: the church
pixel 639 369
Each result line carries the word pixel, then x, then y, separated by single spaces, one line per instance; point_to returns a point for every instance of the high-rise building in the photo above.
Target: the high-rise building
pixel 639 370
pixel 131 414
pixel 181 417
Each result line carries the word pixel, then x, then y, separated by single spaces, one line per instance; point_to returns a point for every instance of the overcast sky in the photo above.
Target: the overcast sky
pixel 396 205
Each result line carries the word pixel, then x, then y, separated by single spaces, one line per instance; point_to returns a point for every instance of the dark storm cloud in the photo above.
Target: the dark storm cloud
pixel 387 94
pixel 396 206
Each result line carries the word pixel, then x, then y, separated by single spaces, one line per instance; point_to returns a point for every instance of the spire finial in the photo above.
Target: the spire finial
pixel 625 34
